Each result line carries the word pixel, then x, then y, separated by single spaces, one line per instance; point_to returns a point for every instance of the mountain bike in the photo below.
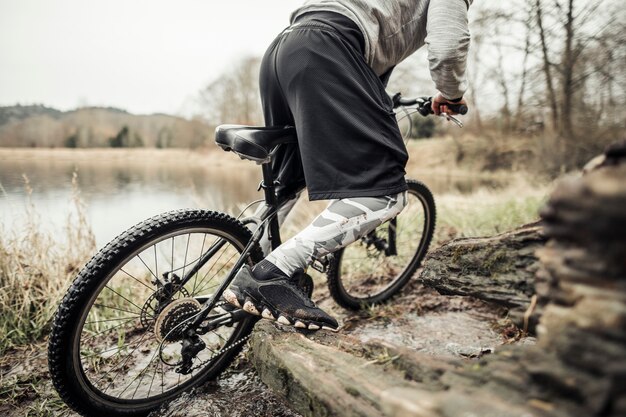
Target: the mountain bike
pixel 144 320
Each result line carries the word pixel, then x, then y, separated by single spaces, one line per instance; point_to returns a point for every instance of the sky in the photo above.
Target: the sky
pixel 145 56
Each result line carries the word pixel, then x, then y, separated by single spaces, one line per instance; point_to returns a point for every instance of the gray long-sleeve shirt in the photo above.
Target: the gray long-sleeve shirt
pixel 394 29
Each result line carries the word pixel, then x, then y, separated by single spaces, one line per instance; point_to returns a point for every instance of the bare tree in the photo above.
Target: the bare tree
pixel 234 96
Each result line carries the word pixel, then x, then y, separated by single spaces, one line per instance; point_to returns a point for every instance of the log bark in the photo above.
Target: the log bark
pixel 499 269
pixel 320 379
pixel 337 376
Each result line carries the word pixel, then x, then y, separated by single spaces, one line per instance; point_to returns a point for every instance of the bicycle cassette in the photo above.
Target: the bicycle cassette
pixel 167 326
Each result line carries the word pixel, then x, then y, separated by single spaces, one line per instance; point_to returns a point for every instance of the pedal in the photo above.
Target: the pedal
pixel 322 264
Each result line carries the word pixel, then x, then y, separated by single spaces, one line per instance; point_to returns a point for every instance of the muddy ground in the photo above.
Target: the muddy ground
pixel 419 318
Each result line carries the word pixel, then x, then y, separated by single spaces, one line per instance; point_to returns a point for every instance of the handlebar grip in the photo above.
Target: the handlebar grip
pixel 424 104
pixel 458 108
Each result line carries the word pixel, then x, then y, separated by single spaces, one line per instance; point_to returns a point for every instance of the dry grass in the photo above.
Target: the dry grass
pixel 36 268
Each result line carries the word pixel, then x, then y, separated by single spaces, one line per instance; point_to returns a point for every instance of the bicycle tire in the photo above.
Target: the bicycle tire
pixel 344 298
pixel 64 359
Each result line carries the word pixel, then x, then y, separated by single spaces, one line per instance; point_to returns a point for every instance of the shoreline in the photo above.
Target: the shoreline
pixel 102 153
pixel 427 158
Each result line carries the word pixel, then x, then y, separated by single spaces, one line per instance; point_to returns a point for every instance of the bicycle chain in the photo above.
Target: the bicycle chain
pixel 219 352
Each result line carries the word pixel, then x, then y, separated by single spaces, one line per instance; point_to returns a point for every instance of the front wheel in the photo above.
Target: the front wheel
pixel 115 344
pixel 375 268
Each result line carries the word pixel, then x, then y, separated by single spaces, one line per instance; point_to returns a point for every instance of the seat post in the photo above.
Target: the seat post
pixel 270 198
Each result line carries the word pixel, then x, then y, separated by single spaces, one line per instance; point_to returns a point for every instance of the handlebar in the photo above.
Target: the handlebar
pixel 424 104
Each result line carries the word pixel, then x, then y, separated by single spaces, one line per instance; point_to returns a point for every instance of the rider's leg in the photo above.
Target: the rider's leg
pixel 271 291
pixel 349 147
pixel 341 223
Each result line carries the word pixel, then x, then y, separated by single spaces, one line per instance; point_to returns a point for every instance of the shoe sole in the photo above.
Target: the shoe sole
pixel 270 313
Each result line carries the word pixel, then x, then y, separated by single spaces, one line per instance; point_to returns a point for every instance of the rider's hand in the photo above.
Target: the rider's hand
pixel 440 105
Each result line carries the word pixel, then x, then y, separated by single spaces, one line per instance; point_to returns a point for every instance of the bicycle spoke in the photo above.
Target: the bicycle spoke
pixel 156 265
pixel 123 360
pixel 172 259
pixel 162 373
pixel 147 267
pixel 116 319
pixel 106 351
pixel 218 271
pixel 141 341
pixel 154 375
pixel 195 276
pixel 145 285
pixel 186 252
pixel 115 308
pixel 206 287
pixel 112 290
pixel 106 330
pixel 214 263
pixel 142 373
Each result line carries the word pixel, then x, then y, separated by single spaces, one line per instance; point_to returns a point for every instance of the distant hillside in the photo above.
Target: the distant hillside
pixel 12 113
pixel 41 126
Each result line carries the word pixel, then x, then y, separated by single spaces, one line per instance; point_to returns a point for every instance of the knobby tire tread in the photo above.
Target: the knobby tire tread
pixel 335 285
pixel 62 372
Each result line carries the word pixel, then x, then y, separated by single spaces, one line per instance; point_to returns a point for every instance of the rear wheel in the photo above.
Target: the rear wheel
pixel 373 269
pixel 114 347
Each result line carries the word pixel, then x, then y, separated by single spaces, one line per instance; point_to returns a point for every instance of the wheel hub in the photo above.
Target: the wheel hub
pixel 157 302
pixel 166 327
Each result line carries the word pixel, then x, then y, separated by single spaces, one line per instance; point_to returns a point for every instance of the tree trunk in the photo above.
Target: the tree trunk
pixel 565 127
pixel 522 90
pixel 546 67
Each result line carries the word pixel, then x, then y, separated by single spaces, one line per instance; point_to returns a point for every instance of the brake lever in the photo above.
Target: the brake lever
pixel 424 108
pixel 452 119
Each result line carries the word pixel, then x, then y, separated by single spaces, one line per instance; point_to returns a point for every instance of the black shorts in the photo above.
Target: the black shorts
pixel 349 145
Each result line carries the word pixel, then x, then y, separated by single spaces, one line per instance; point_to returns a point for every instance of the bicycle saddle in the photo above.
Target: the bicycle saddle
pixel 253 142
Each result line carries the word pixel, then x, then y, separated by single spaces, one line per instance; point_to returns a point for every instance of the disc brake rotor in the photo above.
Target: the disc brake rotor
pixel 153 305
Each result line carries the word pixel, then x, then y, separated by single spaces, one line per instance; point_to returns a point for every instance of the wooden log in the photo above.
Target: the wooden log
pixel 499 269
pixel 337 376
pixel 323 380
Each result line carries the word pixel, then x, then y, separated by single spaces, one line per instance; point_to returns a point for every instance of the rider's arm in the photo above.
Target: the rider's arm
pixel 448 40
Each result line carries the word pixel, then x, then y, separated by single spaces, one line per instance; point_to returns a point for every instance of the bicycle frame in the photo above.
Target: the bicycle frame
pixel 267 218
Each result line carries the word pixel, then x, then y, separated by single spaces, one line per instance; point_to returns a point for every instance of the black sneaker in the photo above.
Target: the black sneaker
pixel 278 299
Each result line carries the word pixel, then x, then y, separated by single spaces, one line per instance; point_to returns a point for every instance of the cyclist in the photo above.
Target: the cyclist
pixel 326 74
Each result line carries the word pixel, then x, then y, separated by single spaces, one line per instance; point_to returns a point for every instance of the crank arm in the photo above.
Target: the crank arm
pixel 225 319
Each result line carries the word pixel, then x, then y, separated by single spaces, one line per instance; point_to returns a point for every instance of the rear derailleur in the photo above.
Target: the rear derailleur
pixel 192 345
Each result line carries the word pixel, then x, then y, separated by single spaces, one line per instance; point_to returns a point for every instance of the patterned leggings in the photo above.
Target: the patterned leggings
pixel 341 223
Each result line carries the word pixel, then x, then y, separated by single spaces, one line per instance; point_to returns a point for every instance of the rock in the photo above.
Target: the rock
pixel 468 351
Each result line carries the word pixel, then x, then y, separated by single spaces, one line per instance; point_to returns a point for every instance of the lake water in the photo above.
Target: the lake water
pixel 123 188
